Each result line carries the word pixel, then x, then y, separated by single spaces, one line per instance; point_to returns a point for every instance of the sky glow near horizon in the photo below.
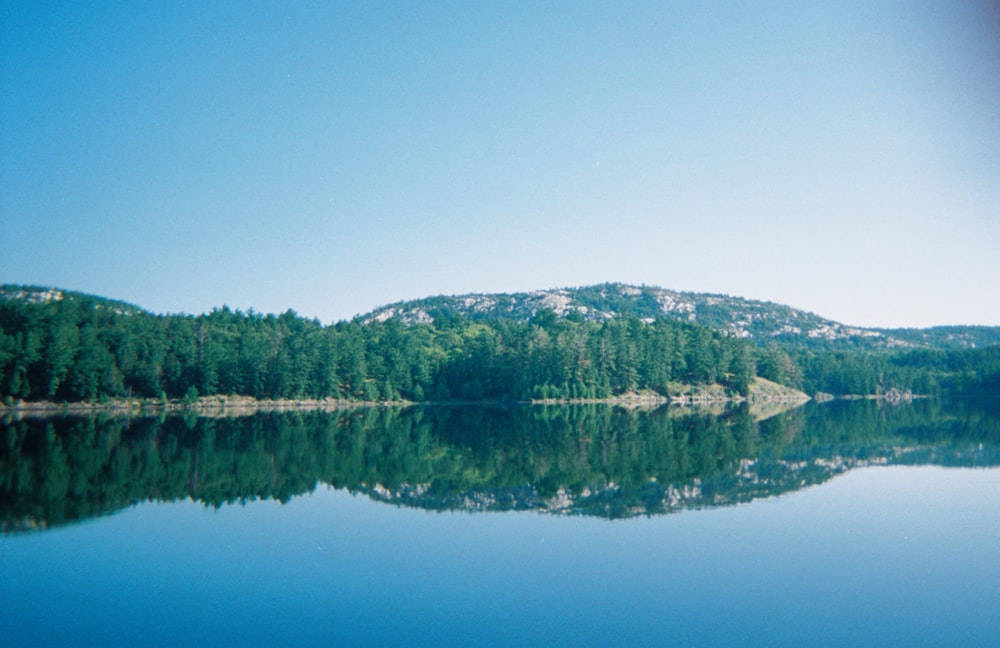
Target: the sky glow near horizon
pixel 842 158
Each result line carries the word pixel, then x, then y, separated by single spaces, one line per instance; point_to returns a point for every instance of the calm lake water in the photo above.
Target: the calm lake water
pixel 834 524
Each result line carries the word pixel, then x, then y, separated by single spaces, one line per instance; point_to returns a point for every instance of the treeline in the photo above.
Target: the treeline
pixel 87 348
pixel 82 348
pixel 933 372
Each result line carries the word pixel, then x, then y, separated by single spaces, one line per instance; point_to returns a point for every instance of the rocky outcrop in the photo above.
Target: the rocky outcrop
pixel 736 316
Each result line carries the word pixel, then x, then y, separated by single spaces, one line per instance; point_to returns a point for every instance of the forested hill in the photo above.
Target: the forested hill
pixel 743 318
pixel 66 346
pixel 41 295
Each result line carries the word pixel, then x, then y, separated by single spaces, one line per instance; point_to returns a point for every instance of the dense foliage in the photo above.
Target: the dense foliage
pixel 88 348
pixel 933 372
pixel 82 348
pixel 790 327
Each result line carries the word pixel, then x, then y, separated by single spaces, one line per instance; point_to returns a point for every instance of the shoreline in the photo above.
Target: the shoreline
pixel 762 392
pixel 226 405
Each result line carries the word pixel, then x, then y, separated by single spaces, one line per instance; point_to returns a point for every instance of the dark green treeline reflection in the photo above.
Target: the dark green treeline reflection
pixel 589 459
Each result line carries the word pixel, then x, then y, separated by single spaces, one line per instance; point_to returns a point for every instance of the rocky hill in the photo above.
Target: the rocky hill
pixel 45 295
pixel 745 318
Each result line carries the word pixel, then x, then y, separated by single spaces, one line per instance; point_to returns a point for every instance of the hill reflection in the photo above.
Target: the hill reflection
pixel 589 459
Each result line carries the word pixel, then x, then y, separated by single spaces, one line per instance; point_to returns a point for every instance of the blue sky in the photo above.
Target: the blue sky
pixel 332 157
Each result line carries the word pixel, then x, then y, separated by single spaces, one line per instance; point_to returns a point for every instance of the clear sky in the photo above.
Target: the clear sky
pixel 330 157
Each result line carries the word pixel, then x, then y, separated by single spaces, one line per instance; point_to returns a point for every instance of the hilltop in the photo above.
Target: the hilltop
pixel 47 295
pixel 611 341
pixel 761 321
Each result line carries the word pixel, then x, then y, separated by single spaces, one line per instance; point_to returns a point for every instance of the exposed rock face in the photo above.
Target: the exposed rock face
pixel 736 316
pixel 744 318
pixel 31 296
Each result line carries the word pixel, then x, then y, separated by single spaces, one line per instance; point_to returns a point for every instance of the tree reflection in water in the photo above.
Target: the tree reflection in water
pixel 583 459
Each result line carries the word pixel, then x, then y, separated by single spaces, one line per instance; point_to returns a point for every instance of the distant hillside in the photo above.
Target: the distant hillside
pixel 44 295
pixel 601 342
pixel 744 318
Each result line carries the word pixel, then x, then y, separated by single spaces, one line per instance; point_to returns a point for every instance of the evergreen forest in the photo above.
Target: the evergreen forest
pixel 84 348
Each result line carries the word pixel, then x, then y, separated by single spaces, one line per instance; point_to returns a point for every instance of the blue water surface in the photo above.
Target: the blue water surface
pixel 877 556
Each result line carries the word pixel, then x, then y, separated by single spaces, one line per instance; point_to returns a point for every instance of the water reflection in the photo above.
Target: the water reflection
pixel 593 460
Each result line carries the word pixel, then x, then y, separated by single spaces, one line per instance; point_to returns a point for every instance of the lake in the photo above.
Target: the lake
pixel 842 523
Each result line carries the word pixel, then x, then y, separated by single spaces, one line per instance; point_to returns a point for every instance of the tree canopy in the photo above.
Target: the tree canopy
pixel 87 348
